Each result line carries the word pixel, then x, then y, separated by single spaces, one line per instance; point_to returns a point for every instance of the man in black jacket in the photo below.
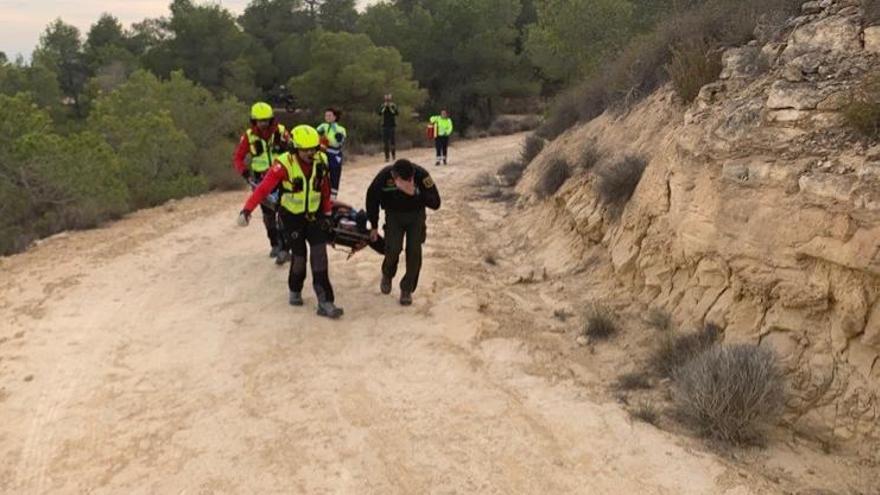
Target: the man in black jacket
pixel 389 112
pixel 403 190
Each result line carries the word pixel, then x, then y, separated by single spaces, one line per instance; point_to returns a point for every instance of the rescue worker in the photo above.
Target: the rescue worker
pixel 442 130
pixel 388 111
pixel 333 136
pixel 264 140
pixel 305 213
pixel 403 190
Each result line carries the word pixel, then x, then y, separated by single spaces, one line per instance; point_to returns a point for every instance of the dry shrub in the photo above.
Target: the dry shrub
pixel 583 102
pixel 511 172
pixel 645 412
pixel 601 323
pixel 617 182
pixel 633 381
pixel 483 180
pixel 730 393
pixel 473 133
pixel 676 350
pixel 589 157
pixel 659 319
pixel 511 124
pixel 503 126
pixel 862 113
pixel 532 147
pixel 694 64
pixel 553 177
pixel 637 69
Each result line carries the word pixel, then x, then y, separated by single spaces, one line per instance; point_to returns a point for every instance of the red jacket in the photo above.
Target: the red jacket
pixel 278 174
pixel 244 146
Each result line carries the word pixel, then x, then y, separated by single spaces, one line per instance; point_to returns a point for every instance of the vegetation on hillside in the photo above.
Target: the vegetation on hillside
pixel 154 106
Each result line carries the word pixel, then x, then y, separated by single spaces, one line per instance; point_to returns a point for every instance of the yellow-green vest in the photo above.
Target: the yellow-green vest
pixel 329 131
pixel 308 198
pixel 262 151
pixel 442 126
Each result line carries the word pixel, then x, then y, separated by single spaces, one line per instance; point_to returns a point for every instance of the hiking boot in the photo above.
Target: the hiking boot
pixel 437 163
pixel 385 285
pixel 295 298
pixel 283 257
pixel 329 310
pixel 274 252
pixel 405 298
pixel 444 161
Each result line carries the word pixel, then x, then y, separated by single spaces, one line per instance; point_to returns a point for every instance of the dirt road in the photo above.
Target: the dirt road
pixel 159 355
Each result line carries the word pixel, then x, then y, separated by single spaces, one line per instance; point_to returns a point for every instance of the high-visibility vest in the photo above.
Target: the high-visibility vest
pixel 442 126
pixel 264 152
pixel 329 131
pixel 300 194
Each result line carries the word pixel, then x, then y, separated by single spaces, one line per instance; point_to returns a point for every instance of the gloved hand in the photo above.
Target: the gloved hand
pixel 325 223
pixel 339 137
pixel 244 218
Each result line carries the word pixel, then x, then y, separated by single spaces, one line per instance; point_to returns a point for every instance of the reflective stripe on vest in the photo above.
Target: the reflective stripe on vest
pixel 309 195
pixel 261 159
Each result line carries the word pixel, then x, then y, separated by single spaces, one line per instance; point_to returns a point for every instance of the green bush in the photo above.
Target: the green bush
pixel 79 176
pixel 353 76
pixel 694 64
pixel 730 393
pixel 147 141
pixel 214 166
pixel 48 182
pixel 19 116
pixel 175 137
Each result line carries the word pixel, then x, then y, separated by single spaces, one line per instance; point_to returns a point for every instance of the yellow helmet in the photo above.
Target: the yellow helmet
pixel 305 137
pixel 261 111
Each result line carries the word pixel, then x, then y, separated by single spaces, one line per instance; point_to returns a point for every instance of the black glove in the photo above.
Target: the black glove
pixel 244 218
pixel 339 137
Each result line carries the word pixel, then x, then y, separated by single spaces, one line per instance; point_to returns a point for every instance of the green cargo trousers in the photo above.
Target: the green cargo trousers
pixel 411 225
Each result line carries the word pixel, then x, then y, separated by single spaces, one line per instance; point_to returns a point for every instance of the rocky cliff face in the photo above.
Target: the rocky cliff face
pixel 758 212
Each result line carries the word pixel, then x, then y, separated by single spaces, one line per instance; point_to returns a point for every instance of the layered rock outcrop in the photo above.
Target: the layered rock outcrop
pixel 758 212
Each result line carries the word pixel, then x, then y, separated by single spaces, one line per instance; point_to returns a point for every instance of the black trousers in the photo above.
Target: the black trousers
pixel 441 144
pixel 408 226
pixel 270 221
pixel 298 232
pixel 388 139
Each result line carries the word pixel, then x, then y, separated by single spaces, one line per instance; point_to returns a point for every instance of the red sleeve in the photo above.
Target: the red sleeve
pixel 241 151
pixel 326 200
pixel 270 181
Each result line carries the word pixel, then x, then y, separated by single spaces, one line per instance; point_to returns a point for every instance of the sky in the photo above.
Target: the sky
pixel 22 22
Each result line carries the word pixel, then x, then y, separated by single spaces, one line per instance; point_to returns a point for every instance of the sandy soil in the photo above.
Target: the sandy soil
pixel 158 355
